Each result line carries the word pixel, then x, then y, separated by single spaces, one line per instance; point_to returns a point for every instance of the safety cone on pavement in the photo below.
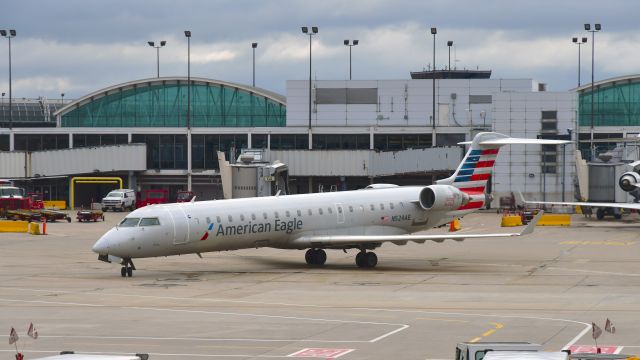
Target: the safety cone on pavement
pixel 454 225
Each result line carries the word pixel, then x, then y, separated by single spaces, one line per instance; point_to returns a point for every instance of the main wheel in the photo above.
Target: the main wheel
pixel 320 257
pixel 123 271
pixel 360 259
pixel 309 256
pixel 600 214
pixel 371 259
pixel 129 271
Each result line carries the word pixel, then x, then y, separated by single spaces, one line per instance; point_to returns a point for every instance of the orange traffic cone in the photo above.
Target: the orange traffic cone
pixel 454 225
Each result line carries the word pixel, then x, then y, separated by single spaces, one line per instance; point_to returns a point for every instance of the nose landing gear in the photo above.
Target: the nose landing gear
pixel 127 268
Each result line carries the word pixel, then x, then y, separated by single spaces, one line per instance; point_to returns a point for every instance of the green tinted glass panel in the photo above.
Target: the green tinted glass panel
pixel 166 106
pixel 617 105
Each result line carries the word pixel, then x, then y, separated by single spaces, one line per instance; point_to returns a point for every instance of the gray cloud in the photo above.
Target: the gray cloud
pixel 79 46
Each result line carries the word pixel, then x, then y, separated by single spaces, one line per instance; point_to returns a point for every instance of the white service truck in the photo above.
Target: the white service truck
pixel 477 350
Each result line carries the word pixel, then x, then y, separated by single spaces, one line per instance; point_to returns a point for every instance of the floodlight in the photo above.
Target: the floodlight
pixel 346 42
pixel 314 29
pixel 254 45
pixel 587 27
pixel 305 29
pixel 13 32
pixel 449 43
pixel 355 42
pixel 187 33
pixel 434 31
pixel 151 43
pixel 598 27
pixel 163 43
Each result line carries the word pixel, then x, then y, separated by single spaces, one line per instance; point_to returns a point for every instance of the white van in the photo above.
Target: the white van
pixel 120 199
pixel 526 355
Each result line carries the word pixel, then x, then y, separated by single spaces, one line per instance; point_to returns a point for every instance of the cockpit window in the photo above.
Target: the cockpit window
pixel 129 222
pixel 149 222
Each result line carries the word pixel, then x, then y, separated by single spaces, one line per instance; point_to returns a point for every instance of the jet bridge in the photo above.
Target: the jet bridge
pixel 251 176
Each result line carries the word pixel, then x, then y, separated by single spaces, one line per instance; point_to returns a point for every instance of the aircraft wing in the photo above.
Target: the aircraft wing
pixel 635 206
pixel 340 240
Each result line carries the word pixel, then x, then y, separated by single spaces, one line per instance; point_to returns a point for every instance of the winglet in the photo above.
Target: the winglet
pixel 532 224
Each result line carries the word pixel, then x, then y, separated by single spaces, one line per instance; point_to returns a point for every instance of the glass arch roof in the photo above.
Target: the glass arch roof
pixel 616 102
pixel 162 102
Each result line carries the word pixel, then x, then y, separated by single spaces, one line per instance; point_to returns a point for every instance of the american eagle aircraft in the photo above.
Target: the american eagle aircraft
pixel 360 219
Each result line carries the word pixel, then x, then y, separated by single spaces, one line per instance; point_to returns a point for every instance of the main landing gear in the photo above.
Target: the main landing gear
pixel 318 257
pixel 315 257
pixel 366 259
pixel 127 268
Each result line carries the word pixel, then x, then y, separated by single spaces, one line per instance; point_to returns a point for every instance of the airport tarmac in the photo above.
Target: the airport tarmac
pixel 266 303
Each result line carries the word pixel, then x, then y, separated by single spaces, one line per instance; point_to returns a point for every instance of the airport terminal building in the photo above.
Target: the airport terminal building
pixel 355 132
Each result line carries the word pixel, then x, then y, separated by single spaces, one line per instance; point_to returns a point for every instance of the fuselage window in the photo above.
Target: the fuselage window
pixel 320 211
pixel 287 213
pixel 129 222
pixel 381 206
pixel 230 218
pixel 276 215
pixel 391 206
pixel 218 219
pixel 299 213
pixel 310 212
pixel 350 208
pixel 339 210
pixel 264 215
pixel 241 217
pixel 372 207
pixel 149 222
pixel 330 211
pixel 208 220
pixel 253 216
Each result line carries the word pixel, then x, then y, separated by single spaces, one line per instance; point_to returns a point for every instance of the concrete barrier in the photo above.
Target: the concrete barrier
pixel 511 220
pixel 55 204
pixel 13 226
pixel 34 228
pixel 555 220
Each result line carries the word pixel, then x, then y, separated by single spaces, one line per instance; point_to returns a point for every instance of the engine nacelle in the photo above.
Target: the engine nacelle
pixel 629 181
pixel 442 197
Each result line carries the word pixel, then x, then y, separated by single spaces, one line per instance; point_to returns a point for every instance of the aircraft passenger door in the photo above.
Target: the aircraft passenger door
pixel 180 225
pixel 340 213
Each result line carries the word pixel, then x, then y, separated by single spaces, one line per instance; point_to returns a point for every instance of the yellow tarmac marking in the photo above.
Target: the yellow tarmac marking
pixel 488 332
pixel 496 326
pixel 608 243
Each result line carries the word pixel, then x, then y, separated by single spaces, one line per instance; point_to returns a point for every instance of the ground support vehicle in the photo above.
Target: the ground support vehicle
pixel 52 215
pixel 36 201
pixel 478 350
pixel 152 196
pixel 184 196
pixel 89 215
pixel 120 199
pixel 23 214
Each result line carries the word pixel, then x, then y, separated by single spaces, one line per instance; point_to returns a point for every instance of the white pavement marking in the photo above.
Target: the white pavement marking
pixel 587 326
pixel 158 354
pixel 618 350
pixel 401 326
pixel 594 271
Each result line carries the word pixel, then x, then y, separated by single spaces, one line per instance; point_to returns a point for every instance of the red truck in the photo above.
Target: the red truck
pixel 36 201
pixel 152 196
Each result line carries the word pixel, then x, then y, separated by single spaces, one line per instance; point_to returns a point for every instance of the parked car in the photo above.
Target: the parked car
pixel 152 196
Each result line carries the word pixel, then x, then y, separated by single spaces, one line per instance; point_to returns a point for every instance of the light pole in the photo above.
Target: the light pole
pixel 187 33
pixel 354 43
pixel 597 27
pixel 153 45
pixel 254 46
pixel 11 34
pixel 449 44
pixel 314 30
pixel 577 42
pixel 434 31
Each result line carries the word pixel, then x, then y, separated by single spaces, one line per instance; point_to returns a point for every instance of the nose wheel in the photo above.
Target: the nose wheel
pixel 315 257
pixel 127 269
pixel 366 259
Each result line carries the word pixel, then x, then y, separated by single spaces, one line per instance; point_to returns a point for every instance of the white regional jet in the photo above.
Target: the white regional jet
pixel 360 219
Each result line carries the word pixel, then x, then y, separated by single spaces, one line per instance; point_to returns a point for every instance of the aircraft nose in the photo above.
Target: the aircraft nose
pixel 102 245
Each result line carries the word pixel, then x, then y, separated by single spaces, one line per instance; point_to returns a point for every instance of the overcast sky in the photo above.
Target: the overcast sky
pixel 80 46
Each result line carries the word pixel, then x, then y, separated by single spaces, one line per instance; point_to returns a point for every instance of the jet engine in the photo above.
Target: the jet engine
pixel 442 198
pixel 629 181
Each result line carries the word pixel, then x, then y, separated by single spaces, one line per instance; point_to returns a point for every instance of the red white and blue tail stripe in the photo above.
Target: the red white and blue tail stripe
pixel 475 170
